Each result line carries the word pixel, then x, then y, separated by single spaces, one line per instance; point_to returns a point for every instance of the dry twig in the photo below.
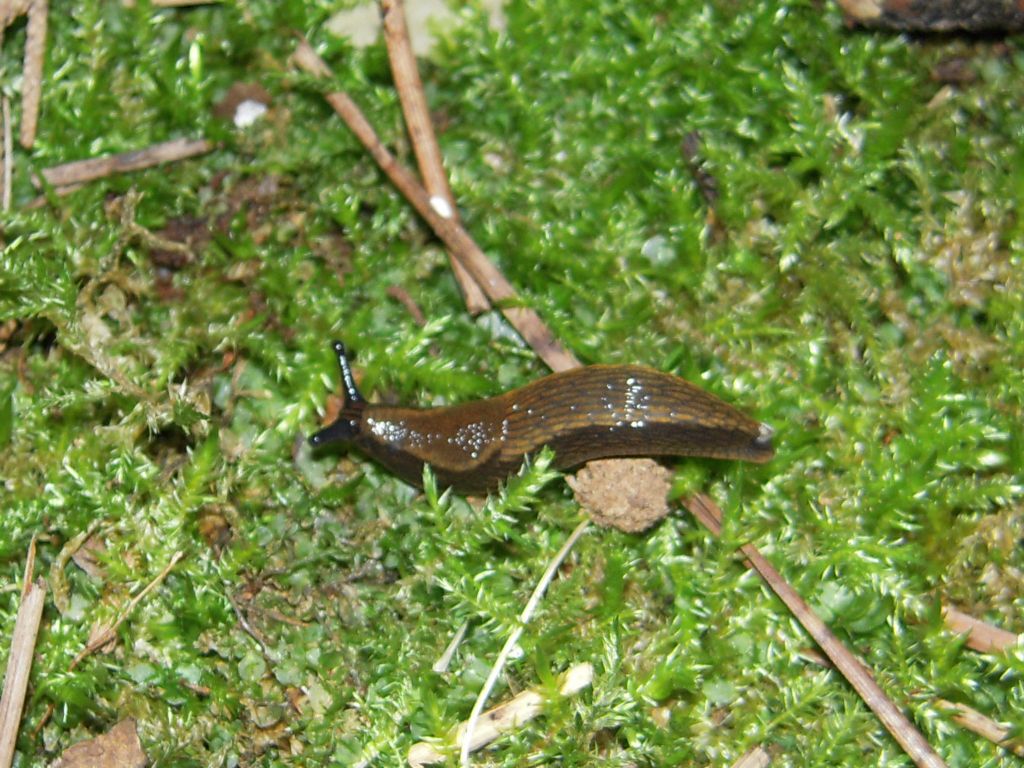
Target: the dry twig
pixel 905 733
pixel 424 142
pixel 8 154
pixel 399 294
pixel 35 53
pixel 981 636
pixel 81 171
pixel 19 661
pixel 526 321
pixel 105 634
pixel 984 726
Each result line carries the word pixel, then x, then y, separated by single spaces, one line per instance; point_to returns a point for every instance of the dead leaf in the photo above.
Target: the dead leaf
pixel 118 748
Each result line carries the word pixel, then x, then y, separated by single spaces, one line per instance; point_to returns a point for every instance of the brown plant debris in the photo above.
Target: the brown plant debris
pixel 984 726
pixel 497 287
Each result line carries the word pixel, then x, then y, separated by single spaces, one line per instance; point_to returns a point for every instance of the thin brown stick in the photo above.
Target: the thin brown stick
pixel 526 321
pixel 32 74
pixel 8 154
pixel 421 131
pixel 19 661
pixel 981 636
pixel 98 167
pixel 983 726
pixel 905 733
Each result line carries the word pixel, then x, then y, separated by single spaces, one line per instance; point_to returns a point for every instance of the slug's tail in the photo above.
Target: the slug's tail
pixel 346 426
pixel 761 448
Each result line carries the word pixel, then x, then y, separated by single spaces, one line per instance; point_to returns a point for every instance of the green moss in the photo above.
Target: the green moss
pixel 858 287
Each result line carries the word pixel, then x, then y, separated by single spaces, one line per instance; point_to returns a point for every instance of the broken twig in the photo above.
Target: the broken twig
pixel 8 154
pixel 81 171
pixel 424 142
pixel 526 321
pixel 35 53
pixel 19 662
pixel 981 636
pixel 982 725
pixel 906 734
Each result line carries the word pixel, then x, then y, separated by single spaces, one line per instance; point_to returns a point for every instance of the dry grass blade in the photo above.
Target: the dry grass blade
pixel 105 635
pixel 905 733
pixel 526 322
pixel 513 639
pixel 19 664
pixel 421 131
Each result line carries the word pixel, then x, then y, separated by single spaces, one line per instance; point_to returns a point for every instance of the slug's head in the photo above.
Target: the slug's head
pixel 347 426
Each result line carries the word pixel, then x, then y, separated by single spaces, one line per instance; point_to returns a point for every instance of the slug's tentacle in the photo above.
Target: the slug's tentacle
pixel 348 381
pixel 347 426
pixel 601 411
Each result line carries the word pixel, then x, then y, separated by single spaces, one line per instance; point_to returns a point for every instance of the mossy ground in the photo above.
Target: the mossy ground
pixel 861 291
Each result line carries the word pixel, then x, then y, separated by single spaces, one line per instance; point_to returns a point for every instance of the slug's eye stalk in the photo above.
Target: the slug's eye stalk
pixel 346 426
pixel 348 381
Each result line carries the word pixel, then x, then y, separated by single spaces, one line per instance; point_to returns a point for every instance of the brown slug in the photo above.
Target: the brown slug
pixel 595 412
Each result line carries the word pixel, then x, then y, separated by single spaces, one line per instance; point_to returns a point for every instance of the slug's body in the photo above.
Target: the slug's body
pixel 600 411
